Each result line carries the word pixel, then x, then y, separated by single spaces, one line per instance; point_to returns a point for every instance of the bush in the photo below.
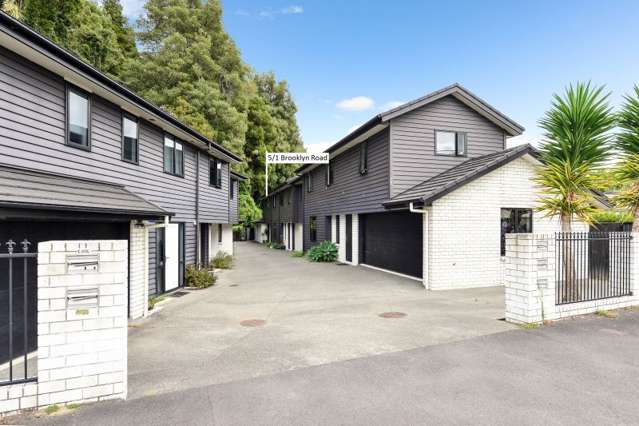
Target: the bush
pixel 222 260
pixel 297 254
pixel 608 216
pixel 325 251
pixel 276 245
pixel 199 278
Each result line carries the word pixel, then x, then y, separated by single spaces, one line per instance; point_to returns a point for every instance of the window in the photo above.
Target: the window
pixel 450 143
pixel 337 229
pixel 309 182
pixel 363 158
pixel 313 228
pixel 173 156
pixel 329 174
pixel 78 114
pixel 129 138
pixel 219 232
pixel 514 221
pixel 232 189
pixel 215 173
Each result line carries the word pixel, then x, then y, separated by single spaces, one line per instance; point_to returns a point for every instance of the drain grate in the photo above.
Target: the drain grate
pixel 392 315
pixel 253 323
pixel 179 293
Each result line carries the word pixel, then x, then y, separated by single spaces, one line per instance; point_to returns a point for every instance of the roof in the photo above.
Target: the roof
pixel 37 190
pixel 38 42
pixel 238 176
pixel 453 178
pixel 462 94
pixel 288 184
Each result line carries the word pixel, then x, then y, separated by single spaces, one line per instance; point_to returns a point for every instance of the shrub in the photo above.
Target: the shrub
pixel 154 300
pixel 199 278
pixel 275 245
pixel 222 260
pixel 607 216
pixel 297 254
pixel 325 251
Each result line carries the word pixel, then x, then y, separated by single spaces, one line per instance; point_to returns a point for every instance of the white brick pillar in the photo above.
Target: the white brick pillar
pixel 529 278
pixel 138 301
pixel 82 321
pixel 355 240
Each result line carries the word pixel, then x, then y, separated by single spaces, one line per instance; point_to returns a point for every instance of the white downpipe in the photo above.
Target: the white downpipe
pixel 146 261
pixel 426 253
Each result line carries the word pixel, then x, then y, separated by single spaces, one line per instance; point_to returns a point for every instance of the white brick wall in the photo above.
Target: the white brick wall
pixel 226 245
pixel 464 227
pixel 137 269
pixel 82 352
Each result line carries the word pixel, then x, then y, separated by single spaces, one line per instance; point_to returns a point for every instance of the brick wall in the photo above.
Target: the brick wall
pixel 464 227
pixel 82 351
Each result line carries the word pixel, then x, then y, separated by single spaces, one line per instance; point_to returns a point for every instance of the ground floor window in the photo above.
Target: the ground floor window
pixel 312 226
pixel 514 221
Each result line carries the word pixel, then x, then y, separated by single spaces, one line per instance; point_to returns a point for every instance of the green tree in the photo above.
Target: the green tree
pixel 249 211
pixel 577 144
pixel 627 170
pixel 52 18
pixel 12 8
pixel 123 31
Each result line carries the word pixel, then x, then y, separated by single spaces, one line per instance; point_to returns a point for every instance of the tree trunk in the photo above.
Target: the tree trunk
pixel 568 259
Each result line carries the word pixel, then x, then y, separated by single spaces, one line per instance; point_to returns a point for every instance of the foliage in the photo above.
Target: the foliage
pixel 298 254
pixel 124 33
pixel 199 277
pixel 611 216
pixel 12 8
pixel 577 140
pixel 275 245
pixel 249 210
pixel 222 260
pixel 155 300
pixel 51 409
pixel 326 251
pixel 627 170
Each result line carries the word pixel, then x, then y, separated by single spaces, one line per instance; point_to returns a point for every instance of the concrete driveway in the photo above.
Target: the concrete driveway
pixel 314 314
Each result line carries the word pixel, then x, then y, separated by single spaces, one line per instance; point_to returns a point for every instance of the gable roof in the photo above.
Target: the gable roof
pixel 380 121
pixel 15 34
pixel 453 178
pixel 20 188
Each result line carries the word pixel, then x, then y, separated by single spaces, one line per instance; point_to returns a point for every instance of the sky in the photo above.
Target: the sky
pixel 346 61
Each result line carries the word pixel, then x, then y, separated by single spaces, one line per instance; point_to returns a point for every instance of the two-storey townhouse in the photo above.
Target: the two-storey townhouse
pixel 427 190
pixel 83 157
pixel 283 216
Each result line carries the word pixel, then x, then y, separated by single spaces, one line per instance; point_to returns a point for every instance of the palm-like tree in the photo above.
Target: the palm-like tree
pixel 627 171
pixel 577 136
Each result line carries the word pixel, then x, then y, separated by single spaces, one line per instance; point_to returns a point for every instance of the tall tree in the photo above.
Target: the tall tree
pixel 52 18
pixel 123 31
pixel 12 7
pixel 577 143
pixel 627 170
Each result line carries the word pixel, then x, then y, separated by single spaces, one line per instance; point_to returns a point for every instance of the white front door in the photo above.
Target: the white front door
pixel 172 264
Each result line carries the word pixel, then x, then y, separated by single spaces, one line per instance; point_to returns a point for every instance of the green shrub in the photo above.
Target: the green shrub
pixel 275 245
pixel 155 300
pixel 612 216
pixel 199 278
pixel 325 251
pixel 297 254
pixel 222 260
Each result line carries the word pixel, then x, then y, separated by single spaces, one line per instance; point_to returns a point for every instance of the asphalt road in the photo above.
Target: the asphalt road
pixel 582 371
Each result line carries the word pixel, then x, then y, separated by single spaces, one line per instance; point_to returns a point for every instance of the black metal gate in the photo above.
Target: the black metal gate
pixel 18 306
pixel 592 266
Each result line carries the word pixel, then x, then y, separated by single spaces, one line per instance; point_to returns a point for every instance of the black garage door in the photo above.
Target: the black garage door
pixel 392 241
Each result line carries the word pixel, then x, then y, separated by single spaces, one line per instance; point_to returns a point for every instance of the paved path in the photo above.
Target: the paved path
pixel 575 372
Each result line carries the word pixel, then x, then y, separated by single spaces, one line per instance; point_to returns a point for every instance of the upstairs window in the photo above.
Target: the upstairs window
pixel 329 174
pixel 450 143
pixel 78 114
pixel 215 173
pixel 363 158
pixel 232 188
pixel 173 156
pixel 514 221
pixel 130 150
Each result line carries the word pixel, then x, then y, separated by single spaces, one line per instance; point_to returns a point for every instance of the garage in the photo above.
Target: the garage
pixel 392 241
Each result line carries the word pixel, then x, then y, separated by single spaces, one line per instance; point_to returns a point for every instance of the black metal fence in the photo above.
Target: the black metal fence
pixel 18 301
pixel 592 266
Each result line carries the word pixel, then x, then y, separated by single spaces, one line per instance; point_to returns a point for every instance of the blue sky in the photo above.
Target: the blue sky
pixel 345 61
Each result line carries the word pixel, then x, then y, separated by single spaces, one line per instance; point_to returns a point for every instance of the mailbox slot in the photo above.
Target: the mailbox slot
pixel 82 298
pixel 82 263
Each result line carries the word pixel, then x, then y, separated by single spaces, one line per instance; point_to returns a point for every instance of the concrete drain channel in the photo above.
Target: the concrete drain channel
pixel 253 323
pixel 392 315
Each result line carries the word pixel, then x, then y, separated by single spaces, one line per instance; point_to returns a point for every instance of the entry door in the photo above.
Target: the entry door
pixel 172 257
pixel 349 237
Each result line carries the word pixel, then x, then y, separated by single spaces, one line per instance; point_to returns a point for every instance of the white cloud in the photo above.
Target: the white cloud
pixel 292 10
pixel 272 14
pixel 391 105
pixel 358 103
pixel 534 140
pixel 318 147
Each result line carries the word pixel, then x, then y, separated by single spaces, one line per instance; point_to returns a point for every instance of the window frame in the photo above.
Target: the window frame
pixel 67 107
pixel 363 158
pixel 216 164
pixel 219 232
pixel 309 182
pixel 312 228
pixel 176 142
pixel 329 175
pixel 232 188
pixel 127 116
pixel 337 229
pixel 457 150
pixel 518 212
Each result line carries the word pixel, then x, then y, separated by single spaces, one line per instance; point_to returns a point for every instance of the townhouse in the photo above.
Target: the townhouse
pixel 83 157
pixel 427 190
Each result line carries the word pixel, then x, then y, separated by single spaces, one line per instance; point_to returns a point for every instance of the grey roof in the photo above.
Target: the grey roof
pixel 37 190
pixel 451 179
pixel 238 176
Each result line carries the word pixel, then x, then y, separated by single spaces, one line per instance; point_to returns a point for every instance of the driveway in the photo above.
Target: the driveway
pixel 314 314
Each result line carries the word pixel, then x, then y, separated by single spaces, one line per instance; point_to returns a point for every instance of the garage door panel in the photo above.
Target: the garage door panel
pixel 393 241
